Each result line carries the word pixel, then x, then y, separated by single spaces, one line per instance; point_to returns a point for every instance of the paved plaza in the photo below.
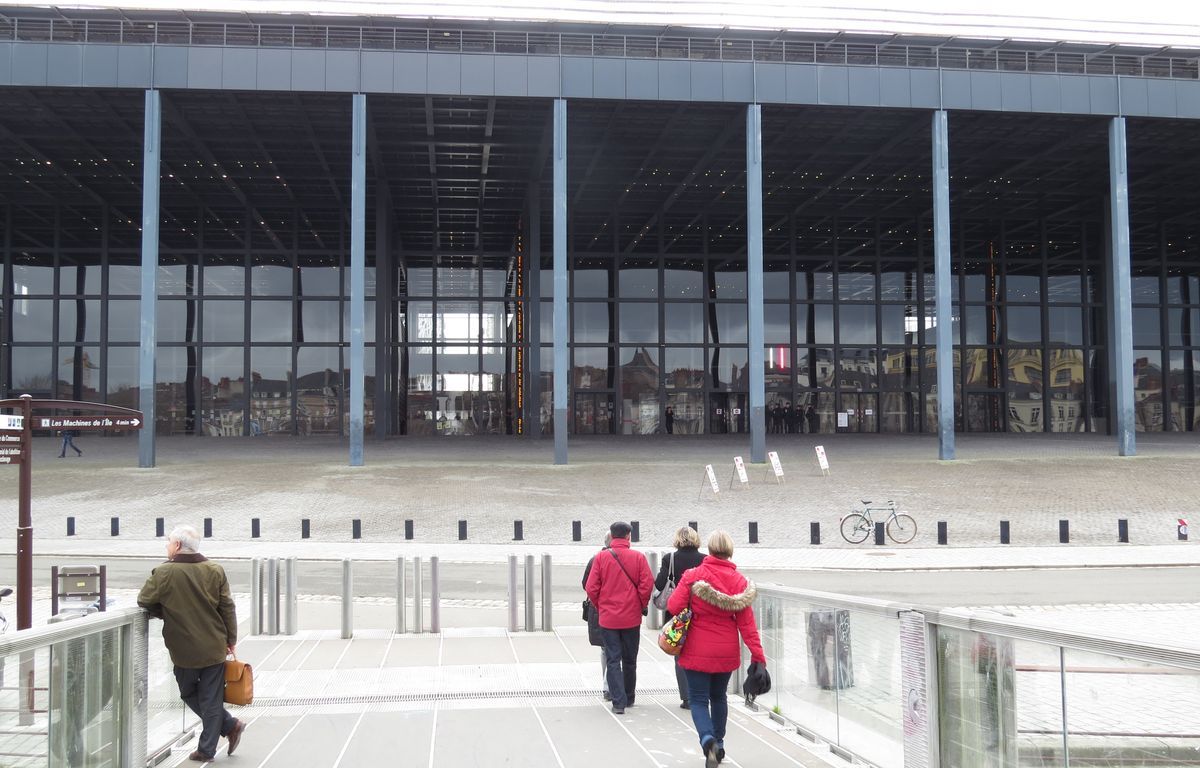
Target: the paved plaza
pixel 1032 481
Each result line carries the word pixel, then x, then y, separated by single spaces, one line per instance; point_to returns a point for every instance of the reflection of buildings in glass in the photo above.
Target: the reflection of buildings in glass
pixel 80 366
pixel 317 402
pixel 270 406
pixel 1024 387
pixel 1066 390
pixel 778 374
pixel 1147 395
pixel 858 370
pixel 223 415
pixel 639 393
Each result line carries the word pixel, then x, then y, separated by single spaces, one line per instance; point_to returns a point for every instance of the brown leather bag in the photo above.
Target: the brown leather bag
pixel 239 682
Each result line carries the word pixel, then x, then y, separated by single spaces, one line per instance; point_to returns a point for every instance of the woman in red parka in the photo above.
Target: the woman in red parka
pixel 720 599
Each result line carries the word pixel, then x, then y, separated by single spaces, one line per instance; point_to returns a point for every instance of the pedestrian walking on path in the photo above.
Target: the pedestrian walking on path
pixel 190 593
pixel 593 621
pixel 687 555
pixel 68 437
pixel 619 585
pixel 716 593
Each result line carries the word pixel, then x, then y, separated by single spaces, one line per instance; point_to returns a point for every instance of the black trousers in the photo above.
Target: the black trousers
pixel 203 690
pixel 621 648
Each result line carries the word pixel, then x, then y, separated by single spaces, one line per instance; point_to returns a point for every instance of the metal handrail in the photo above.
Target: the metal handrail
pixel 40 637
pixel 605 45
pixel 1006 626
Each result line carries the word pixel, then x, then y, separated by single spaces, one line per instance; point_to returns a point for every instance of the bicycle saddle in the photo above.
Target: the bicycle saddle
pixel 867 502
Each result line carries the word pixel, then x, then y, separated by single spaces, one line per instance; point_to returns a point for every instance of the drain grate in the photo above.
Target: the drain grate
pixel 396 698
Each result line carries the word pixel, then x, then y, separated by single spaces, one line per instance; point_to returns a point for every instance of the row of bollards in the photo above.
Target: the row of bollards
pixel 273 607
pixel 530 593
pixel 418 581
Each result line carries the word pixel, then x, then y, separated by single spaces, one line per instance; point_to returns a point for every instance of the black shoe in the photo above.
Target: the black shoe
pixel 720 754
pixel 629 703
pixel 710 755
pixel 618 710
pixel 685 704
pixel 62 456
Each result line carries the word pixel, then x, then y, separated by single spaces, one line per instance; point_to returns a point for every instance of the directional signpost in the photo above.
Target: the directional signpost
pixel 16 447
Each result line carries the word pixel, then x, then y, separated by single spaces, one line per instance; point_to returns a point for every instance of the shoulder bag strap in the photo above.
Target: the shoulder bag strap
pixel 631 581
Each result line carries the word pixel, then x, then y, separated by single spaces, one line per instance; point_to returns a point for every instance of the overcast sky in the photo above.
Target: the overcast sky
pixel 1149 22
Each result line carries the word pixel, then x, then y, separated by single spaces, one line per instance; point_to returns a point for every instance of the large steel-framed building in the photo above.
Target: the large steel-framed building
pixel 290 224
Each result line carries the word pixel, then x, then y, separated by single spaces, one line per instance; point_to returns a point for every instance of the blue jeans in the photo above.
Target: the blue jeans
pixel 710 708
pixel 621 652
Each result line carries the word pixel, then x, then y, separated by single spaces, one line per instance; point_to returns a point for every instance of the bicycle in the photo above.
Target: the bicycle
pixel 856 527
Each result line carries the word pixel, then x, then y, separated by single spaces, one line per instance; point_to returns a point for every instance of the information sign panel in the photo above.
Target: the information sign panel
pixel 712 478
pixel 12 423
pixel 822 459
pixel 776 465
pixel 740 467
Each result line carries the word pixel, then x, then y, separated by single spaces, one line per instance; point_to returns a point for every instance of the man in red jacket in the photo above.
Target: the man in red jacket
pixel 619 585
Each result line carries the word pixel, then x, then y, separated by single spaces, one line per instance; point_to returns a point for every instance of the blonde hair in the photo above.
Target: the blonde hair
pixel 687 537
pixel 720 544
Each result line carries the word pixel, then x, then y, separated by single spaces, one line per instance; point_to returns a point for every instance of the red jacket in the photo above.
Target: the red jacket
pixel 620 603
pixel 720 602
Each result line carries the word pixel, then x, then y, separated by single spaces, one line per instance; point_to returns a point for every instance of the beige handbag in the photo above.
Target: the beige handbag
pixel 239 682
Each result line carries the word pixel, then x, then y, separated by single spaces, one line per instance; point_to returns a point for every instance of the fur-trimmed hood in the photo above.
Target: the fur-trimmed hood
pixel 718 599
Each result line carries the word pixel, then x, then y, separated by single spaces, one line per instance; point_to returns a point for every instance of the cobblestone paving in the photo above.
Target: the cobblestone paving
pixel 1032 481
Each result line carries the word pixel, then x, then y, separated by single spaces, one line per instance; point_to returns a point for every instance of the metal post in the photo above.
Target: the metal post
pixel 256 596
pixel 358 257
pixel 418 596
pixel 653 615
pixel 560 282
pixel 529 595
pixel 273 596
pixel 941 269
pixel 435 597
pixel 1119 291
pixel 401 599
pixel 347 599
pixel 754 263
pixel 291 613
pixel 151 158
pixel 547 595
pixel 512 593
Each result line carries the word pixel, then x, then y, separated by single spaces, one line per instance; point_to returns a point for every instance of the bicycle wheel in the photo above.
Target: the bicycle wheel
pixel 855 528
pixel 902 528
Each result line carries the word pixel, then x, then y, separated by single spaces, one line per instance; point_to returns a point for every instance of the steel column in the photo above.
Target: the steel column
pixel 358 259
pixel 560 281
pixel 754 263
pixel 151 158
pixel 533 328
pixel 941 270
pixel 1120 343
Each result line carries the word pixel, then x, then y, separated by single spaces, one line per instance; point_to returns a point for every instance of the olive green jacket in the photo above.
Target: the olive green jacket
pixel 191 595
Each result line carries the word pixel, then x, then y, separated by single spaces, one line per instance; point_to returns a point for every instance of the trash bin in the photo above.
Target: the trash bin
pixel 829 649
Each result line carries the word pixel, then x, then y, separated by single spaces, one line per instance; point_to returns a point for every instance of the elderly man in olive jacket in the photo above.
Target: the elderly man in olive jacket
pixel 191 595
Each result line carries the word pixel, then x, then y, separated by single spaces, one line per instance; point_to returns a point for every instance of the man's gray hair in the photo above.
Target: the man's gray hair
pixel 187 536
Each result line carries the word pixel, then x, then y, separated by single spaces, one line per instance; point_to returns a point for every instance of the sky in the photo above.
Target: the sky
pixel 1149 22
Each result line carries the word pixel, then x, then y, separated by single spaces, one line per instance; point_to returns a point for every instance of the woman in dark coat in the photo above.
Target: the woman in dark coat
pixel 720 599
pixel 686 555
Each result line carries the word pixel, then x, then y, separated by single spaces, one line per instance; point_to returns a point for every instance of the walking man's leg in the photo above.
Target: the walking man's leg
pixel 616 682
pixel 188 681
pixel 629 653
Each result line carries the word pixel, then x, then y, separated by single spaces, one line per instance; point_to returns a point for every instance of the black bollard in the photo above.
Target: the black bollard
pixel 115 524
pixel 518 530
pixel 408 530
pixel 208 527
pixel 1123 531
pixel 753 533
pixel 305 528
pixel 576 530
pixel 695 526
pixel 637 531
pixel 814 533
pixel 158 527
pixel 356 529
pixel 462 530
pixel 1182 529
pixel 254 528
pixel 70 526
pixel 1064 532
pixel 1004 532
pixel 943 534
pixel 878 533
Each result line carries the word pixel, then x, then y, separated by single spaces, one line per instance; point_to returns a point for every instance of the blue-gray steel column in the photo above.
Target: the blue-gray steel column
pixel 754 263
pixel 941 272
pixel 1119 295
pixel 147 353
pixel 358 261
pixel 560 281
